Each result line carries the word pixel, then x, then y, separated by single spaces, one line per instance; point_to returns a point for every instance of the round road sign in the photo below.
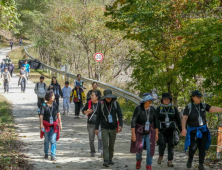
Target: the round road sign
pixel 98 57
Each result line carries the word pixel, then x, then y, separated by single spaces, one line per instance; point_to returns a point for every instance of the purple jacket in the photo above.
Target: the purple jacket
pixel 137 146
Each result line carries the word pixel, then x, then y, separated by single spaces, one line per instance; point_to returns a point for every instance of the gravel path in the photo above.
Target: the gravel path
pixel 72 148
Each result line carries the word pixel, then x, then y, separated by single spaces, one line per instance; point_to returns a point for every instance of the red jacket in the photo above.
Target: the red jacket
pixel 47 126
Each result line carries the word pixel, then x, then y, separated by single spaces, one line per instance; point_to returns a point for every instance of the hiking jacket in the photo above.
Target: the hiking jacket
pixel 56 89
pixel 40 89
pixel 66 91
pixel 74 95
pixel 102 116
pixel 6 76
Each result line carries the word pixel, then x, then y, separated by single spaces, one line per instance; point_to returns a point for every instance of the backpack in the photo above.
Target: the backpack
pixel 190 107
pixel 38 85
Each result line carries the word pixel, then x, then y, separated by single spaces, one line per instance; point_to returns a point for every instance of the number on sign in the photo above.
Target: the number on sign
pixel 98 57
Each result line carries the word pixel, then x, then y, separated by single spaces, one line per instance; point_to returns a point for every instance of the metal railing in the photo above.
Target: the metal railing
pixel 117 91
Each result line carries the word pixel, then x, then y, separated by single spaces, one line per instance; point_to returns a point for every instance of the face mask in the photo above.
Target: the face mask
pixel 167 105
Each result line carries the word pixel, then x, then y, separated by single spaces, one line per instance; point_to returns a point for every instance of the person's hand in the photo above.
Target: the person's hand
pixel 41 126
pixel 156 137
pixel 184 132
pixel 60 127
pixel 51 87
pixel 89 111
pixel 97 132
pixel 133 138
pixel 120 129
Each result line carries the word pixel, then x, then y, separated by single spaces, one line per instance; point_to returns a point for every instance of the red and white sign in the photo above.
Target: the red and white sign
pixel 98 57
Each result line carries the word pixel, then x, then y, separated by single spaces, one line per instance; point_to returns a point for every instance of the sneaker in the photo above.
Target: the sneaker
pixel 160 159
pixel 67 113
pixel 111 162
pixel 53 158
pixel 201 167
pixel 101 155
pixel 149 167
pixel 138 164
pixel 92 154
pixel 189 163
pixel 46 156
pixel 105 163
pixel 170 164
pixel 64 113
pixel 78 117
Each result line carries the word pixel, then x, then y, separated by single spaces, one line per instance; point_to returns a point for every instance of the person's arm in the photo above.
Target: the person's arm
pixel 50 87
pixel 120 117
pixel 60 121
pixel 72 93
pixel 133 123
pixel 41 122
pixel 156 123
pixel 36 92
pixel 214 109
pixel 177 117
pixel 184 121
pixel 98 119
pixel 60 91
pixel 85 110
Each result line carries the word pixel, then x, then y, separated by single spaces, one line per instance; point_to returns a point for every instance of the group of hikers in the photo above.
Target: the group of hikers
pixel 12 43
pixel 149 125
pixel 7 68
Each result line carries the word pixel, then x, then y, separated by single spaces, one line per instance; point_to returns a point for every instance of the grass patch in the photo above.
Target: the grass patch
pixel 10 146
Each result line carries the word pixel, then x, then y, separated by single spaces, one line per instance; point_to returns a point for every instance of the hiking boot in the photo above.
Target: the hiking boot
pixel 92 154
pixel 53 158
pixel 46 156
pixel 149 167
pixel 189 163
pixel 138 164
pixel 170 164
pixel 111 162
pixel 106 164
pixel 201 167
pixel 160 159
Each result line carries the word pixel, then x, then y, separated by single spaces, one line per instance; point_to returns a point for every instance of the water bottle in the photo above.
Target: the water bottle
pixel 43 129
pixel 38 110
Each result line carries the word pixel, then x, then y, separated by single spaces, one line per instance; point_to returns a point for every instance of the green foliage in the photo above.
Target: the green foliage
pixel 9 17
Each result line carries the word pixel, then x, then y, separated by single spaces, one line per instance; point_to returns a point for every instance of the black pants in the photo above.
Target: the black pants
pixel 40 102
pixel 78 106
pixel 199 143
pixel 6 85
pixel 57 100
pixel 11 46
pixel 11 72
pixel 167 139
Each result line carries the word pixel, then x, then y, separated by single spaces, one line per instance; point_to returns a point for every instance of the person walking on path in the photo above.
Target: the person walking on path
pixel 144 128
pixel 20 41
pixel 27 68
pixel 78 97
pixel 11 43
pixel 11 68
pixel 169 123
pixel 79 81
pixel 2 67
pixel 197 133
pixel 66 91
pixel 94 86
pixel 23 79
pixel 91 110
pixel 6 79
pixel 40 90
pixel 111 119
pixel 56 88
pixel 50 124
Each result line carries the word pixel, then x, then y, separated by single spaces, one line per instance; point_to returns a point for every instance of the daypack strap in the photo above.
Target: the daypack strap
pixel 190 107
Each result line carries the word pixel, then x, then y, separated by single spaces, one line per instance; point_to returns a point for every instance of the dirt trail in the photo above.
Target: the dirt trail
pixel 72 148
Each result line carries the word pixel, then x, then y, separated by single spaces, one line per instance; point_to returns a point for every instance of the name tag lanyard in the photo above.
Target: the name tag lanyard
pixel 167 120
pixel 110 118
pixel 94 111
pixel 51 118
pixel 199 118
pixel 147 126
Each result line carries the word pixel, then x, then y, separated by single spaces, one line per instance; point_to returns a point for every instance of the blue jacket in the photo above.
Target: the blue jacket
pixel 201 129
pixel 27 67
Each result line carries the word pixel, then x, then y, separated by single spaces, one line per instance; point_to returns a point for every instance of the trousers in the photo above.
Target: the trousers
pixel 66 104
